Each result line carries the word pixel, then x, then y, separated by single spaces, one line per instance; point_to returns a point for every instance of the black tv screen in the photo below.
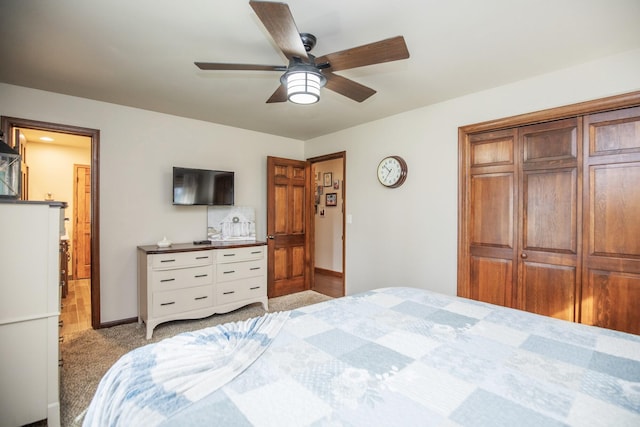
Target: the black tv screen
pixel 202 187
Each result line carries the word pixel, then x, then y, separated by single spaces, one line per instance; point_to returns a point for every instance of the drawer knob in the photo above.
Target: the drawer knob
pixel 167 303
pixel 229 292
pixel 228 272
pixel 167 280
pixel 200 275
pixel 167 260
pixel 199 298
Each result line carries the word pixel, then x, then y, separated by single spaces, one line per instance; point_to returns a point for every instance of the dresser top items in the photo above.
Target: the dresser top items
pixel 189 247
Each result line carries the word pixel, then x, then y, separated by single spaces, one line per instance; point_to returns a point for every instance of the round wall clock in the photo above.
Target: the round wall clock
pixel 392 171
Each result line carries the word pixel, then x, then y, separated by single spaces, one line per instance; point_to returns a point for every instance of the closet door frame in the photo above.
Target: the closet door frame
pixel 631 99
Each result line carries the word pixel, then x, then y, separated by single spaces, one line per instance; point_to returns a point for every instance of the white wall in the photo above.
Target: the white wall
pixel 408 236
pixel 137 150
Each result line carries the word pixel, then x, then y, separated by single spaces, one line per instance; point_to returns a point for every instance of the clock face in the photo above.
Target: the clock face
pixel 392 171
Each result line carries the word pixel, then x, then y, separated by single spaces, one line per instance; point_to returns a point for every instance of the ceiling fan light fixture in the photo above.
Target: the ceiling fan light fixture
pixel 303 83
pixel 303 87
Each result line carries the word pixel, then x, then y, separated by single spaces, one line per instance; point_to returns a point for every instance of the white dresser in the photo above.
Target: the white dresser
pixel 189 281
pixel 29 312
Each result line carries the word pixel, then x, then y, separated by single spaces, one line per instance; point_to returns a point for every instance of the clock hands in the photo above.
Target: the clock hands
pixel 388 172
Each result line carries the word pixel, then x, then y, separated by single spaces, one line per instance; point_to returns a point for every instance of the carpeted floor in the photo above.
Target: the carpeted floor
pixel 87 355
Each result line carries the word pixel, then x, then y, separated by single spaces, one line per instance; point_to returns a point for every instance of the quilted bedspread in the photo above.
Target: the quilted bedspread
pixel 410 357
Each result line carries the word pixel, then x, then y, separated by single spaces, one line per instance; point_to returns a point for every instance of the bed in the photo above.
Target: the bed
pixel 389 357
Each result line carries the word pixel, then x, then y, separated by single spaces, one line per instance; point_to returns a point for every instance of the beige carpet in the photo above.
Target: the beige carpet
pixel 87 355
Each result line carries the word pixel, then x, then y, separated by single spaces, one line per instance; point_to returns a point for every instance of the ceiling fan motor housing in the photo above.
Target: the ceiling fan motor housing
pixel 308 41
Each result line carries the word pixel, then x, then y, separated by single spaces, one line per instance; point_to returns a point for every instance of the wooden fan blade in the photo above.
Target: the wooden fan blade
pixel 277 19
pixel 347 87
pixel 249 67
pixel 280 95
pixel 387 50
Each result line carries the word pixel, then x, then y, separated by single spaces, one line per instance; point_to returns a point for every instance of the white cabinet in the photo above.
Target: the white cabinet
pixel 191 282
pixel 29 313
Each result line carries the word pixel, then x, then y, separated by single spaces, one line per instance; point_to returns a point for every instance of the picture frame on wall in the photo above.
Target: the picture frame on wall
pixel 331 199
pixel 328 179
pixel 336 185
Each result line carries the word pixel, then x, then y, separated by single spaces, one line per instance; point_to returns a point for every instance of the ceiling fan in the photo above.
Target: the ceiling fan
pixel 306 74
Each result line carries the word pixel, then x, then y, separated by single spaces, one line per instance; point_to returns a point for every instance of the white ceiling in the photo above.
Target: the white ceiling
pixel 65 139
pixel 140 53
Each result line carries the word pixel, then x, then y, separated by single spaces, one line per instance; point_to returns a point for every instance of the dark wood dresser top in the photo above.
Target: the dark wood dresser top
pixel 189 247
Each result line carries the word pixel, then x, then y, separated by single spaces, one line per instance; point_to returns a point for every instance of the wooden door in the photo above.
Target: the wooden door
pixel 81 259
pixel 549 217
pixel 489 200
pixel 611 278
pixel 521 204
pixel 287 270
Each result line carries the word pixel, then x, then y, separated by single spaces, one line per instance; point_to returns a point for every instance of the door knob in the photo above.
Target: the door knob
pixel 523 256
pixel 271 237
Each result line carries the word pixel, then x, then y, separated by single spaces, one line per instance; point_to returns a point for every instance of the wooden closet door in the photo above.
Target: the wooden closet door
pixel 488 246
pixel 549 252
pixel 611 283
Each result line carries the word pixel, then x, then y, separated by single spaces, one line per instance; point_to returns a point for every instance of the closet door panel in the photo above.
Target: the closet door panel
pixel 546 142
pixel 549 289
pixel 487 256
pixel 550 222
pixel 493 151
pixel 611 289
pixel 549 218
pixel 491 280
pixel 610 300
pixel 614 132
pixel 615 213
pixel 492 210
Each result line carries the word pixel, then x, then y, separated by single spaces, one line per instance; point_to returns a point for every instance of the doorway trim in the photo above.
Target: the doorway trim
pixel 6 123
pixel 311 226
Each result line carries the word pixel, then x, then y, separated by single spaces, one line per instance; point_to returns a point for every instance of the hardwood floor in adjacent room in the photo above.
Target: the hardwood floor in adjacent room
pixel 76 307
pixel 328 284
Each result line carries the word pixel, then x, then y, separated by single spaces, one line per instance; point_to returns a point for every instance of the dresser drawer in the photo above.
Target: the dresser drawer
pixel 239 254
pixel 164 280
pixel 181 259
pixel 172 302
pixel 241 289
pixel 240 270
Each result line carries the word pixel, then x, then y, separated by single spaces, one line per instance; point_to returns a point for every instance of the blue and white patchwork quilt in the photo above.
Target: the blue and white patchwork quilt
pixel 406 357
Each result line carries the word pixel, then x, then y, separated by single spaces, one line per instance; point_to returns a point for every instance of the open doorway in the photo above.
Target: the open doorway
pixel 328 232
pixel 64 167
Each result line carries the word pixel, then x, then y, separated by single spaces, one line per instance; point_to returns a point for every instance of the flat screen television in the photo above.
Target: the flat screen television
pixel 202 187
